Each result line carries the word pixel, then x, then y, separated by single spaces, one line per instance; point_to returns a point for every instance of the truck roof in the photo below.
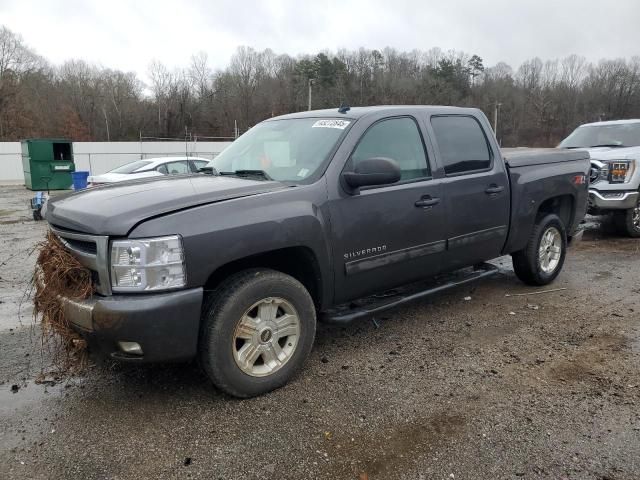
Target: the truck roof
pixel 358 112
pixel 612 122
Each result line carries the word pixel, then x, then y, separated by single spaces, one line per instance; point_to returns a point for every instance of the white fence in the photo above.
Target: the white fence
pixel 100 157
pixel 11 163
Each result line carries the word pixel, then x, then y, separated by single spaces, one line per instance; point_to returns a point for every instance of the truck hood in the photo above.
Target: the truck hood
pixel 115 209
pixel 614 153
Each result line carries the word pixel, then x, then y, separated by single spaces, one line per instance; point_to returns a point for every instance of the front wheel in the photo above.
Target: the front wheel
pixel 540 262
pixel 627 222
pixel 257 332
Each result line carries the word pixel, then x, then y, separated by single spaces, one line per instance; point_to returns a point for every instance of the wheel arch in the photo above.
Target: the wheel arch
pixel 526 215
pixel 562 206
pixel 300 262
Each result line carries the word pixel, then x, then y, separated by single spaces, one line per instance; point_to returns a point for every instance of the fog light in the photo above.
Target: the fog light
pixel 132 348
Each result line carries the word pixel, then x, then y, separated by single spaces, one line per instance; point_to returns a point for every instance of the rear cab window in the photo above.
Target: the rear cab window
pixel 462 143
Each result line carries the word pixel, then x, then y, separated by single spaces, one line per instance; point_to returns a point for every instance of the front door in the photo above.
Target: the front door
pixel 389 235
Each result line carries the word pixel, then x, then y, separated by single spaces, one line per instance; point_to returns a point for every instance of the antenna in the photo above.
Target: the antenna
pixel 344 108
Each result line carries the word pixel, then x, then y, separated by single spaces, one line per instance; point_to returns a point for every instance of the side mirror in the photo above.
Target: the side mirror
pixel 209 170
pixel 373 171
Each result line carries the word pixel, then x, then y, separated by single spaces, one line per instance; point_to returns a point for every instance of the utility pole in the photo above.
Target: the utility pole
pixel 311 82
pixel 106 121
pixel 496 107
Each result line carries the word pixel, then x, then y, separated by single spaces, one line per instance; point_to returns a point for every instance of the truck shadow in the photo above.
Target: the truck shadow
pixel 383 333
pixel 600 227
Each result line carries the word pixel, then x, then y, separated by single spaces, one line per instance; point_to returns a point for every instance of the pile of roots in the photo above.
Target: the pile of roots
pixel 58 273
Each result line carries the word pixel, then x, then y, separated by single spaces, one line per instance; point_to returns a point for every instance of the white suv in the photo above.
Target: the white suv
pixel 615 171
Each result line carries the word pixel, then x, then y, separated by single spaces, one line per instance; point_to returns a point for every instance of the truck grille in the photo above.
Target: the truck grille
pixel 92 251
pixel 82 246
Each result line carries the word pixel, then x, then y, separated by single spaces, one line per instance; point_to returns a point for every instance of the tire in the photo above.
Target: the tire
pixel 241 332
pixel 627 222
pixel 529 263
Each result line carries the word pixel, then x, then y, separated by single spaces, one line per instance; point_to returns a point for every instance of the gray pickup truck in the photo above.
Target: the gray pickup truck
pixel 323 215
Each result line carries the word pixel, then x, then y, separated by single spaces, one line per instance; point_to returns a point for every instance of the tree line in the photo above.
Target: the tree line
pixel 538 103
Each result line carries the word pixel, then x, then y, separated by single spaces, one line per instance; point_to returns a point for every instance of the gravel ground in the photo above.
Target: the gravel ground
pixel 534 386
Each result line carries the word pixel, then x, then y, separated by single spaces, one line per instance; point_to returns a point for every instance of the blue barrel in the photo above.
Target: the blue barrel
pixel 79 179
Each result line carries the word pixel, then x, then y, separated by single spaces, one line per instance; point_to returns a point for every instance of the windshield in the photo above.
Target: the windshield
pixel 131 167
pixel 618 135
pixel 286 150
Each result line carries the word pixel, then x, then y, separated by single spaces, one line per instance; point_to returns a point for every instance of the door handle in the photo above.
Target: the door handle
pixel 493 189
pixel 427 201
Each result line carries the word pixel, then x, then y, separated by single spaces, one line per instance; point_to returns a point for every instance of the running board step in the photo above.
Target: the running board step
pixel 373 304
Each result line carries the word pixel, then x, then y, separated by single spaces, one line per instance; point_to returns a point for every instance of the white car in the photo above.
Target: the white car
pixel 149 167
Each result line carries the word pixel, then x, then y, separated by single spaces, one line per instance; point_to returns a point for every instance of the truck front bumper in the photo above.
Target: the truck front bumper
pixel 612 200
pixel 164 326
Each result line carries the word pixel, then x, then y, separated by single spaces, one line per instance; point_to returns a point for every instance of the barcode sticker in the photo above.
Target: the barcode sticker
pixel 340 124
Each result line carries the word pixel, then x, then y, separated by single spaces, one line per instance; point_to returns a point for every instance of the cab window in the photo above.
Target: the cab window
pixel 398 139
pixel 462 143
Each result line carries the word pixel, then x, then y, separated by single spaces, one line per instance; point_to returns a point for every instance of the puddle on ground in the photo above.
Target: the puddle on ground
pixel 28 394
pixel 12 222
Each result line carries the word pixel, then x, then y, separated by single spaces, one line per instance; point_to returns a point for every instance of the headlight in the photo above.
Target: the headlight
pixel 620 171
pixel 147 264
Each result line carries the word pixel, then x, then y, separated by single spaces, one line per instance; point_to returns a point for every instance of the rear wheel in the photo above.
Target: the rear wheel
pixel 257 332
pixel 540 262
pixel 627 222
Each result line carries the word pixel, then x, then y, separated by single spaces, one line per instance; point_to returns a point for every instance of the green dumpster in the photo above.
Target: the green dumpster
pixel 47 163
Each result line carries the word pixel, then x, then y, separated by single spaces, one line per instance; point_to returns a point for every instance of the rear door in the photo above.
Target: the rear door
pixel 476 188
pixel 389 235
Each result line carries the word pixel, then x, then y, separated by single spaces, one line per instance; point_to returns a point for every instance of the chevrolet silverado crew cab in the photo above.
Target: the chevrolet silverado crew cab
pixel 615 174
pixel 323 215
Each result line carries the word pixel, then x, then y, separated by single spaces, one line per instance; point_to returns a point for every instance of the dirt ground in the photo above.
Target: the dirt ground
pixel 495 387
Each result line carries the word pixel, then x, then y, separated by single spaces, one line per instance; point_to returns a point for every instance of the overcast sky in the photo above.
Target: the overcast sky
pixel 129 34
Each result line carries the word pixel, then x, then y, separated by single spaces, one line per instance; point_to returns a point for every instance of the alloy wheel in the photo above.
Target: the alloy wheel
pixel 266 337
pixel 550 250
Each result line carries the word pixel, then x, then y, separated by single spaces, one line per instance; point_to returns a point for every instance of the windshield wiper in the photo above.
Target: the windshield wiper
pixel 619 145
pixel 248 173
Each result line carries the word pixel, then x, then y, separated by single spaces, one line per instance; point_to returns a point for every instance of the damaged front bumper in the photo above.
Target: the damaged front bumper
pixel 165 326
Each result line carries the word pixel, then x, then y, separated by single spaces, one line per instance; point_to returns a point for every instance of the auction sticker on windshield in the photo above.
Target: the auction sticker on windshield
pixel 341 124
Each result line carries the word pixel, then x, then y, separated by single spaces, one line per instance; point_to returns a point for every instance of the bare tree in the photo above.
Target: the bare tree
pixel 541 101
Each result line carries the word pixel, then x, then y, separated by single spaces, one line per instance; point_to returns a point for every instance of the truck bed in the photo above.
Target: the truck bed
pixel 533 174
pixel 523 156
